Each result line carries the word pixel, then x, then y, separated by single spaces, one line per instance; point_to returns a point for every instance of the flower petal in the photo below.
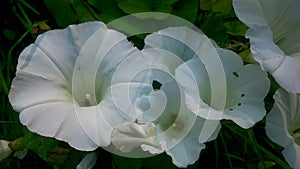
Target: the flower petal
pixel 129 136
pixel 282 125
pixel 274 33
pixel 59 120
pixel 292 155
pixel 42 59
pixel 29 90
pixel 188 150
pixel 244 106
pixel 280 117
pixel 287 75
pixel 97 62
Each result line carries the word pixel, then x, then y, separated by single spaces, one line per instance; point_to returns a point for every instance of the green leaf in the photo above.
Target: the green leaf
pixel 62 11
pixel 265 164
pixel 236 28
pixel 58 155
pixel 9 34
pixel 74 157
pixel 126 163
pixel 159 161
pixel 39 144
pixel 186 9
pixel 106 11
pixel 213 27
pixel 205 4
pixel 137 6
pixel 223 6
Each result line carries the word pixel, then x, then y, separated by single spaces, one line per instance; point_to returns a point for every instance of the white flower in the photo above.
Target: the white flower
pixel 178 131
pixel 5 150
pixel 62 83
pixel 217 84
pixel 283 125
pixel 274 37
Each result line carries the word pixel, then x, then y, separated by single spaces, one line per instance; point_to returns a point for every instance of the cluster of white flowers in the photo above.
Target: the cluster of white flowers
pixel 89 86
pixel 274 33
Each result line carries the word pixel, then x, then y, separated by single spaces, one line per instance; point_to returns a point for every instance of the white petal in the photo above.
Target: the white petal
pixel 209 131
pixel 292 155
pixel 181 41
pixel 187 151
pixel 88 161
pixel 244 106
pixel 59 120
pixel 97 62
pixel 151 106
pixel 282 125
pixel 95 123
pixel 274 34
pixel 123 96
pixel 287 75
pixel 275 128
pixel 29 90
pixel 54 53
pixel 129 136
pixel 231 62
pixel 280 117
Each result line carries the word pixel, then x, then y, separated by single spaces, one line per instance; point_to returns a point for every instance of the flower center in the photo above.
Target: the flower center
pixel 87 100
pixel 178 125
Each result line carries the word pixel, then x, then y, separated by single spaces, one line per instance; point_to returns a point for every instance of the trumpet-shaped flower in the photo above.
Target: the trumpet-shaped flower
pixel 62 84
pixel 244 86
pixel 274 32
pixel 163 121
pixel 283 125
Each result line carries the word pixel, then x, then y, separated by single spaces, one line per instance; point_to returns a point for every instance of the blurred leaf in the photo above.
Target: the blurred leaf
pixel 236 28
pixel 73 158
pixel 246 56
pixel 39 144
pixel 127 163
pixel 29 6
pixel 136 6
pixel 9 34
pixel 223 6
pixel 106 11
pixel 62 12
pixel 3 85
pixel 159 161
pixel 58 155
pixel 187 9
pixel 213 27
pixel 265 164
pixel 205 4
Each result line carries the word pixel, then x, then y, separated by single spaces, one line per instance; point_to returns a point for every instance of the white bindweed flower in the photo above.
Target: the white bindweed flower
pixel 5 150
pixel 283 125
pixel 161 105
pixel 243 87
pixel 62 84
pixel 274 32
